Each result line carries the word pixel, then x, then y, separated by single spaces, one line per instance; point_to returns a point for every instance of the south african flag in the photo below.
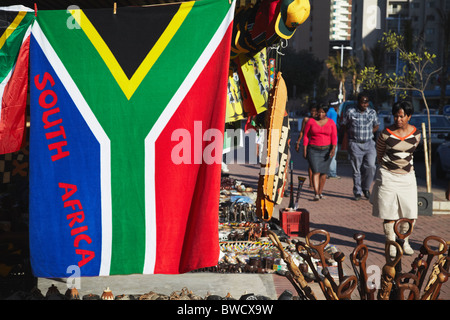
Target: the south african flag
pixel 127 120
pixel 15 25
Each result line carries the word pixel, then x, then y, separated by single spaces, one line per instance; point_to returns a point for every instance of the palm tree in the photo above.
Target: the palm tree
pixel 333 63
pixel 353 68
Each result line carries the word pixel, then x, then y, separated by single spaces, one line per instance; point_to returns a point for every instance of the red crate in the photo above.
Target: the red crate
pixel 295 222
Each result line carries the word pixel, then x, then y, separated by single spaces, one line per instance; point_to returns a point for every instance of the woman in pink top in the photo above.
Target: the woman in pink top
pixel 319 146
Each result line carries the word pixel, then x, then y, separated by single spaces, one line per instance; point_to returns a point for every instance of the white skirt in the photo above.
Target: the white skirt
pixel 394 195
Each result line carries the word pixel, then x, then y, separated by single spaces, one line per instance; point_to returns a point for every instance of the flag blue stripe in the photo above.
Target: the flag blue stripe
pixel 63 154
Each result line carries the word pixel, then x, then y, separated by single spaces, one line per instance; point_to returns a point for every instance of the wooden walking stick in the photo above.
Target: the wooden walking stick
pixel 433 291
pixel 388 273
pixel 328 281
pixel 437 274
pixel 431 254
pixel 297 288
pixel 339 257
pixel 401 236
pixel 300 246
pixel 293 268
pixel 358 258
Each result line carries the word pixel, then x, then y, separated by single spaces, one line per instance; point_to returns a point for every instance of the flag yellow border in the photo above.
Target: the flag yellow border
pixel 129 86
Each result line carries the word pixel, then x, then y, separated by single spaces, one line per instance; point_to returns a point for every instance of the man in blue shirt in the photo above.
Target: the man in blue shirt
pixel 333 115
pixel 360 123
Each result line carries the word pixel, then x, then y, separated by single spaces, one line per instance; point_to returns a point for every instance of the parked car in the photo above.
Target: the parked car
pixel 442 160
pixel 447 110
pixel 440 128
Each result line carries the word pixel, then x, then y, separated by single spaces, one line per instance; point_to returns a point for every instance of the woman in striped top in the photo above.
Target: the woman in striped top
pixel 394 193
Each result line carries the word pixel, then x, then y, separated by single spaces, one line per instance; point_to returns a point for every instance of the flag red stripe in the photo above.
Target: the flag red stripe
pixel 188 241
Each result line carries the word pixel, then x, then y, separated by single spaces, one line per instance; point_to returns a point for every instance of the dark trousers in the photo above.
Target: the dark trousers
pixel 362 159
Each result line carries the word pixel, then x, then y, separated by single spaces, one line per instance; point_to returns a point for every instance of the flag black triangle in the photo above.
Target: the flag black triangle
pixel 6 17
pixel 132 32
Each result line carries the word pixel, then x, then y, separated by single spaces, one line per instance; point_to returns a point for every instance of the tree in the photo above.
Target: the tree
pixel 350 68
pixel 415 76
pixel 353 69
pixel 333 63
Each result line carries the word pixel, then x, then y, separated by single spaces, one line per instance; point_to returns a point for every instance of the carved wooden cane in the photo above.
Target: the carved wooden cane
pixel 328 281
pixel 388 272
pixel 293 268
pixel 300 246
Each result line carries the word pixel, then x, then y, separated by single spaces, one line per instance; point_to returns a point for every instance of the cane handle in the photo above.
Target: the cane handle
pixel 397 224
pixel 347 287
pixel 443 247
pixel 392 262
pixel 360 254
pixel 321 245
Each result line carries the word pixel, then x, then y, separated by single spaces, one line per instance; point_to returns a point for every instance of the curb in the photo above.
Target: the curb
pixel 441 207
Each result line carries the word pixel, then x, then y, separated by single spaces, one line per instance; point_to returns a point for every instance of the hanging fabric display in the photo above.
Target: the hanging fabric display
pixel 235 107
pixel 255 78
pixel 273 174
pixel 260 25
pixel 15 24
pixel 127 113
pixel 256 27
pixel 248 86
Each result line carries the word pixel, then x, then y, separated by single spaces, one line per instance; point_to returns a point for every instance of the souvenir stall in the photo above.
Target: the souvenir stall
pixel 84 194
pixel 257 95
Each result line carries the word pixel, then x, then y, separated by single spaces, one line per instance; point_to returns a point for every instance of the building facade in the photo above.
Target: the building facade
pixel 340 20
